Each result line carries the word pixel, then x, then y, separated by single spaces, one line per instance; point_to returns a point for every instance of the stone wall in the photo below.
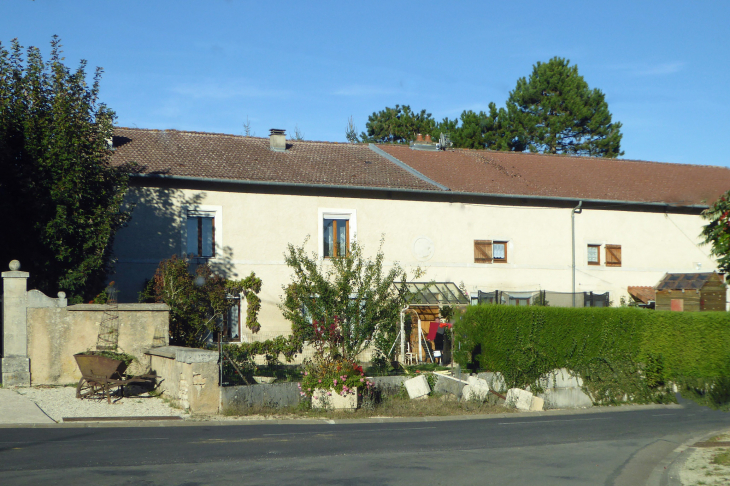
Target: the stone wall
pixel 40 334
pixel 56 334
pixel 188 377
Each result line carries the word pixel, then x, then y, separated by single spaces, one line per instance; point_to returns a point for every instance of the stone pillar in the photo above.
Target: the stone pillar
pixel 15 364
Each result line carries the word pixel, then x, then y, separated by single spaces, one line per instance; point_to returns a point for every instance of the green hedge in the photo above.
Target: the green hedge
pixel 621 353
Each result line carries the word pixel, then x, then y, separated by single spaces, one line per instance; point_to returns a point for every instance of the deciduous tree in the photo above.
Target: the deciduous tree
pixel 717 231
pixel 59 194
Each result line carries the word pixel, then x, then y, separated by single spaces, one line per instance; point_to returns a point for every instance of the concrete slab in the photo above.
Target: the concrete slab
pixel 17 409
pixel 417 387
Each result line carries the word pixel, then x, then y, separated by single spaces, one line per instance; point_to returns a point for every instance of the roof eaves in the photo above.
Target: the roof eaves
pixel 530 197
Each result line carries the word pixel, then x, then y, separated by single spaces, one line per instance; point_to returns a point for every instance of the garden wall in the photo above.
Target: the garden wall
pixel 40 334
pixel 187 376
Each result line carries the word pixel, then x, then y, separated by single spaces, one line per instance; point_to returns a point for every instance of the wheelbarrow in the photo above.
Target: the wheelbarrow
pixel 100 375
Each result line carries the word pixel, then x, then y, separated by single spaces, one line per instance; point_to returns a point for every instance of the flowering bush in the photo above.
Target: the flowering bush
pixel 342 376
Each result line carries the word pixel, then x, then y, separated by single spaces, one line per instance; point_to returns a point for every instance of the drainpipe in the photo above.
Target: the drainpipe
pixel 576 210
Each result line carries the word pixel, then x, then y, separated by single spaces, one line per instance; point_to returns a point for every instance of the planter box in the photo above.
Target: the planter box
pixel 335 401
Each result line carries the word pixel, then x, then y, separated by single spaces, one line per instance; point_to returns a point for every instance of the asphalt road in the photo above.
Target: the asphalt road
pixel 615 447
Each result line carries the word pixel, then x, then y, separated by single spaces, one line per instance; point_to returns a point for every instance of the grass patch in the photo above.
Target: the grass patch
pixel 392 406
pixel 722 459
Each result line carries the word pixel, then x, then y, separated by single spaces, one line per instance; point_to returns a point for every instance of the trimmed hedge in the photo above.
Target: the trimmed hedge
pixel 620 353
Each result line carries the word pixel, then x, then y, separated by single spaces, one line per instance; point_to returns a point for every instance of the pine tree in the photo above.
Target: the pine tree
pixel 397 125
pixel 556 112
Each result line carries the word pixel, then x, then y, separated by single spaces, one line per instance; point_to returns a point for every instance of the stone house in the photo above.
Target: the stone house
pixel 488 220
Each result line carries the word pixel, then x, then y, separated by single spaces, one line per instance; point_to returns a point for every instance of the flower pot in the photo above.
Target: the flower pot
pixel 331 400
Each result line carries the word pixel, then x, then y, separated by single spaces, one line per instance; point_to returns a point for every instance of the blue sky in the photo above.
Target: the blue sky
pixel 209 66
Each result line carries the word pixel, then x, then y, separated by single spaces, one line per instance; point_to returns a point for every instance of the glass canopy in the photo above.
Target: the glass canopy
pixel 433 293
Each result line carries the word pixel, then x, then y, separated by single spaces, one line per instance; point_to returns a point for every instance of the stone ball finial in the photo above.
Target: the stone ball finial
pixel 62 295
pixel 15 265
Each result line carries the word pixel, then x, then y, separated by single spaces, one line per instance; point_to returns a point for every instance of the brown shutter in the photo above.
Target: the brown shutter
pixel 613 255
pixel 482 251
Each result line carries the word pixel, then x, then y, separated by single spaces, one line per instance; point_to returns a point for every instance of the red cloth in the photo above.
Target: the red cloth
pixel 432 330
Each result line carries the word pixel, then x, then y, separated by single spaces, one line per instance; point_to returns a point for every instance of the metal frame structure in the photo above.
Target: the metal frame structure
pixel 427 294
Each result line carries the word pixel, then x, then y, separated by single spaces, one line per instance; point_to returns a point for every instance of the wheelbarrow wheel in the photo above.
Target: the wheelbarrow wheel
pixel 84 389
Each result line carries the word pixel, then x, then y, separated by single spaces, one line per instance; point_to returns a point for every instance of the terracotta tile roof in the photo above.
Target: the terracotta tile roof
pixel 490 172
pixel 642 293
pixel 220 156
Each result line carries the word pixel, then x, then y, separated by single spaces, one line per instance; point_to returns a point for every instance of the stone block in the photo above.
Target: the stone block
pixel 566 398
pixel 331 400
pixel 16 364
pixel 520 399
pixel 537 404
pixel 448 385
pixel 560 378
pixel 417 387
pixel 477 389
pixel 494 379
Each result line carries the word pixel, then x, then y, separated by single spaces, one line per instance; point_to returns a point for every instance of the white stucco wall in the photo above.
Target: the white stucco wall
pixel 254 230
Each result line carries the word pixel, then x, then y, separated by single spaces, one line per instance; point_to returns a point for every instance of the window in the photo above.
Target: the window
pixel 201 234
pixel 499 252
pixel 337 230
pixel 336 237
pixel 594 254
pixel 488 251
pixel 232 328
pixel 613 255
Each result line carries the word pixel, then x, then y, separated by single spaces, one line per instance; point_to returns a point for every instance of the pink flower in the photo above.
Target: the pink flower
pixel 329 394
pixel 302 394
pixel 306 373
pixel 362 379
pixel 320 381
pixel 335 381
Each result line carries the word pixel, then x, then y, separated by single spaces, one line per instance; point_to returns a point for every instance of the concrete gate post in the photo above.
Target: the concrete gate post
pixel 15 364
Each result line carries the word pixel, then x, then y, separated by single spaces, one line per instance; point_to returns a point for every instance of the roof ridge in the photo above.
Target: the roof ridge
pixel 233 135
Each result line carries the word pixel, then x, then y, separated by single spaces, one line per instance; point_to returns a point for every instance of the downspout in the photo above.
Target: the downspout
pixel 576 210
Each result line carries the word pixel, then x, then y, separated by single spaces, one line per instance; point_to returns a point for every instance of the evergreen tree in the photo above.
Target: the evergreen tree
pixel 556 112
pixel 59 195
pixel 398 125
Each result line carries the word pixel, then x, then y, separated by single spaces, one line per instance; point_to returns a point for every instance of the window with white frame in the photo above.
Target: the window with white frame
pixel 201 231
pixel 336 232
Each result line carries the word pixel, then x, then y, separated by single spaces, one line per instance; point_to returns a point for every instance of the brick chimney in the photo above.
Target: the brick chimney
pixel 277 140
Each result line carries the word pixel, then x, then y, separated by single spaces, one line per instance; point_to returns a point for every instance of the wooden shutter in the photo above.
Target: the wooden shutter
pixel 613 255
pixel 482 251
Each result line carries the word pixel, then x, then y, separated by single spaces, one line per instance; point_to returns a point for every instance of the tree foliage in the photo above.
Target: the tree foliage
pixel 198 302
pixel 397 125
pixel 717 231
pixel 556 112
pixel 344 304
pixel 553 112
pixel 60 196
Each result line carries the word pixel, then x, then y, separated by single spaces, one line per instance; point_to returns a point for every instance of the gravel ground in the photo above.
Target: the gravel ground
pixel 699 468
pixel 60 402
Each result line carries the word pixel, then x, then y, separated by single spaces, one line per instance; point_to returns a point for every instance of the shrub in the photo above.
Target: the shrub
pixel 620 353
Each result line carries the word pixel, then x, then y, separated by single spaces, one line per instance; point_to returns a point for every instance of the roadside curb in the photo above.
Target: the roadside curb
pixel 216 420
